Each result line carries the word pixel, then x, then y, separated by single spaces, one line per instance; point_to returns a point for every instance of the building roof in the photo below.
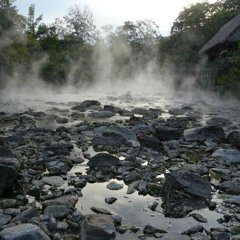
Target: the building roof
pixel 224 34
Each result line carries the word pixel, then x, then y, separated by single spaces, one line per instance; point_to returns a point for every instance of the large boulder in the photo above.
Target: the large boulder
pixel 234 138
pixel 98 226
pixel 189 182
pixel 112 136
pixel 85 105
pixel 24 232
pixel 213 133
pixel 9 166
pixel 68 201
pixel 229 156
pixel 103 160
pixel 167 133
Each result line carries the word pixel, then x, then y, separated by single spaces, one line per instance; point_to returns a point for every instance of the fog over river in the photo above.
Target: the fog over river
pixel 120 164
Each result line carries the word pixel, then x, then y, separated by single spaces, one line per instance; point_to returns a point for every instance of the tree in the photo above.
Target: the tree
pixel 79 24
pixel 31 23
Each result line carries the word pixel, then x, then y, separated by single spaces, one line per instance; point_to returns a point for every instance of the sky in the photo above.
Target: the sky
pixel 113 12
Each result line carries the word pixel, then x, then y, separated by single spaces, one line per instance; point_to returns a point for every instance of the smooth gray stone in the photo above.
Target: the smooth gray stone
pixel 26 231
pixel 230 156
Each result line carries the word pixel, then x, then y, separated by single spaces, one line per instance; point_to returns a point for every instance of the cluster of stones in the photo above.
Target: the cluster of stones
pixel 38 197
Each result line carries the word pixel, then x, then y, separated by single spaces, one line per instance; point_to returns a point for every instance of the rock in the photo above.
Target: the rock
pixel 131 177
pixel 103 160
pixel 193 230
pixel 148 229
pixel 110 200
pixel 114 185
pixel 189 182
pixel 212 133
pixel 86 105
pixel 98 226
pixel 219 121
pixel 9 167
pixel 4 219
pixel 122 132
pixel 60 148
pixel 53 181
pixel 62 120
pixel 175 236
pixel 177 111
pixel 111 108
pixel 59 211
pixel 199 217
pixel 26 215
pixel 230 156
pixel 234 138
pixel 24 231
pixel 101 114
pixel 101 210
pixel 68 201
pixel 220 235
pixel 229 187
pixel 153 205
pixel 9 203
pixel 150 142
pixel 167 133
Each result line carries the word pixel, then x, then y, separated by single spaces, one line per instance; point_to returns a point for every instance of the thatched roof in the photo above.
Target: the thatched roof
pixel 223 35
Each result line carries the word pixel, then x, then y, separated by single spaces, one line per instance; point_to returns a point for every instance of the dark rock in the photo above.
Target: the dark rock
pixel 175 236
pixel 148 229
pixel 189 182
pixel 60 148
pixel 220 235
pixel 24 232
pixel 122 132
pixel 9 167
pixel 27 215
pixel 229 187
pixel 62 120
pixel 101 114
pixel 177 111
pixel 193 230
pixel 230 156
pixel 95 227
pixel 77 216
pixel 150 142
pixel 114 185
pixel 199 217
pixel 86 105
pixel 103 159
pixel 213 133
pixel 131 177
pixel 110 200
pixel 219 121
pixel 101 211
pixel 4 219
pixel 111 108
pixel 167 133
pixel 234 138
pixel 153 205
pixel 53 181
pixel 59 211
pixel 68 201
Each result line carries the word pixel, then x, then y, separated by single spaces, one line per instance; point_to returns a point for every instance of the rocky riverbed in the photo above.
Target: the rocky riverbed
pixel 119 167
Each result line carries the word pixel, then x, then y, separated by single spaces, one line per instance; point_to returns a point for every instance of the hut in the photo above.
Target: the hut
pixel 226 39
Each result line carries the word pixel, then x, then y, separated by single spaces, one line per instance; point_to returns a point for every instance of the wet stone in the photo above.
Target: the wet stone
pixel 114 185
pixel 53 181
pixel 4 219
pixel 59 211
pixel 24 231
pixel 110 200
pixel 98 226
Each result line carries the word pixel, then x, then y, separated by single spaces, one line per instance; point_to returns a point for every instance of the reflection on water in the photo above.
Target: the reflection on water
pixel 134 209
